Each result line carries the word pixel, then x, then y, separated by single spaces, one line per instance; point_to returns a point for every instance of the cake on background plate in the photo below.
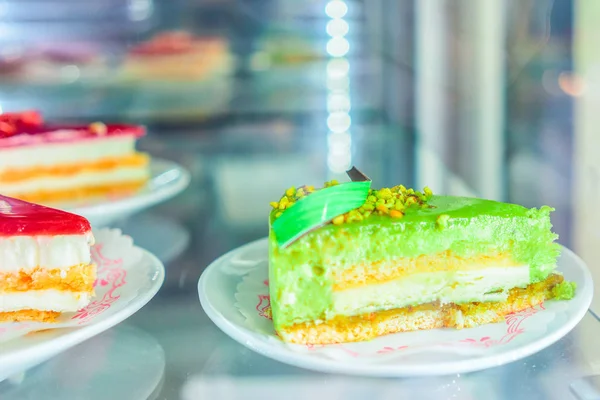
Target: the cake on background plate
pixel 46 163
pixel 349 263
pixel 45 262
pixel 178 56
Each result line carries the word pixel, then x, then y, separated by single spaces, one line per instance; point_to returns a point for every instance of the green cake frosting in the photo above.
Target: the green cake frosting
pixel 320 207
pixel 304 209
pixel 300 274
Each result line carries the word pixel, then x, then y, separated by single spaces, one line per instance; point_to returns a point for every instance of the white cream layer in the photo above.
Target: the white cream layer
pixel 96 178
pixel 48 154
pixel 446 287
pixel 43 300
pixel 50 252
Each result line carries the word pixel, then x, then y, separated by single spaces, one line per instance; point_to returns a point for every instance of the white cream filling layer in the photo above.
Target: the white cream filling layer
pixel 43 300
pixel 446 287
pixel 97 178
pixel 77 151
pixel 49 252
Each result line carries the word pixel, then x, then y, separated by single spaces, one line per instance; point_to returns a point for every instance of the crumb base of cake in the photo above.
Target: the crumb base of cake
pixel 426 316
pixel 114 189
pixel 29 315
pixel 79 278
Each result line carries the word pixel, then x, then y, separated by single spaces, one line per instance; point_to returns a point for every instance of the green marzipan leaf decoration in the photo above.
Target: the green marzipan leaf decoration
pixel 319 208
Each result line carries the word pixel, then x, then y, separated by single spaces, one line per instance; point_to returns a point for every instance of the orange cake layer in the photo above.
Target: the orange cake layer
pixel 380 272
pixel 79 278
pixel 104 164
pixel 427 316
pixel 29 315
pixel 81 192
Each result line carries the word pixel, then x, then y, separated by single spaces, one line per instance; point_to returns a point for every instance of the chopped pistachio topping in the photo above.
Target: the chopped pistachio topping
pixel 292 195
pixel 386 201
pixel 442 221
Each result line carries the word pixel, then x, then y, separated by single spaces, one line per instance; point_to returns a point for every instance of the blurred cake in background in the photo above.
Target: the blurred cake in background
pixel 53 63
pixel 45 163
pixel 176 75
pixel 178 56
pixel 281 49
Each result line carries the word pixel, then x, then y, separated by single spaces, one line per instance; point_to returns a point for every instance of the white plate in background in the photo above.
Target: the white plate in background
pixel 167 179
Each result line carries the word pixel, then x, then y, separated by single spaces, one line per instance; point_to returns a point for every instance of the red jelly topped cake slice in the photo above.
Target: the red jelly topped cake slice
pixel 45 262
pixel 44 162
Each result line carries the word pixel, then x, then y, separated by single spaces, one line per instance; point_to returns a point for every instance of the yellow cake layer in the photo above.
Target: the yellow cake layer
pixel 427 316
pixel 380 272
pixel 116 189
pixel 79 278
pixel 28 315
pixel 66 170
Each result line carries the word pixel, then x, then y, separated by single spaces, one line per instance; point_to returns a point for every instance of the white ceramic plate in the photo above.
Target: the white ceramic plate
pixel 234 294
pixel 128 277
pixel 167 179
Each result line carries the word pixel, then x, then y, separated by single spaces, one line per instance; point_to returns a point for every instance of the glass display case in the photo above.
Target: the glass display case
pixel 492 98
